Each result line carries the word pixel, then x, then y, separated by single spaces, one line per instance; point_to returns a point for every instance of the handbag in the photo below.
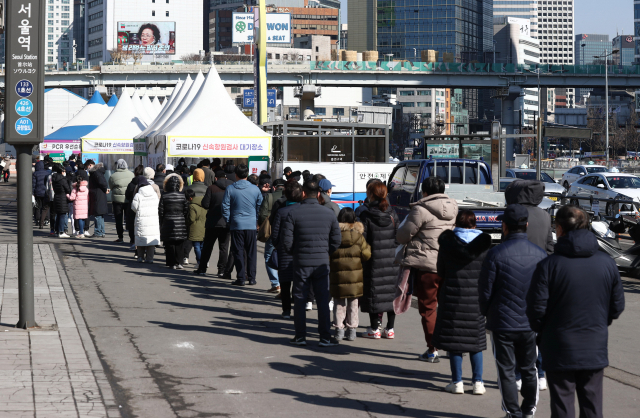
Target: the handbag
pixel 273 260
pixel 265 231
pixel 404 290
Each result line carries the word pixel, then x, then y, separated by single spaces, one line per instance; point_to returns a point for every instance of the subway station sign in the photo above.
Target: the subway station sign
pixel 24 76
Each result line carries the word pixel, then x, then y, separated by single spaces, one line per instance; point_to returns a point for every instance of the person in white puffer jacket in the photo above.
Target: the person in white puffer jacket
pixel 147 225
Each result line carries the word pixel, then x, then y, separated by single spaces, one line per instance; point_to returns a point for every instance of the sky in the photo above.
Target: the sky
pixel 592 16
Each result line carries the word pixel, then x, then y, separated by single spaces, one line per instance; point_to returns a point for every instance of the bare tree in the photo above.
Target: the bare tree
pixel 137 56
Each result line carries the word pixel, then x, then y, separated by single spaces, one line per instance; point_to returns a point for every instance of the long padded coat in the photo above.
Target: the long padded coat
pixel 460 327
pixel 145 206
pixel 80 198
pixel 380 273
pixel 61 189
pixel 173 210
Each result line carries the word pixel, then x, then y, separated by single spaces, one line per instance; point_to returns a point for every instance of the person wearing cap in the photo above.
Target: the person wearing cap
pixel 575 295
pixel 504 281
pixel 118 183
pixel 169 169
pixel 266 209
pixel 325 192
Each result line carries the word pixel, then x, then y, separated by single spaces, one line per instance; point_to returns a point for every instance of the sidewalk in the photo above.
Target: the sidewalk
pixel 53 370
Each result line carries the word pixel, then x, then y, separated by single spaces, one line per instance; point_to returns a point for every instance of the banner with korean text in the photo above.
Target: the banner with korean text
pixel 213 146
pixel 108 146
pixel 140 147
pixel 71 145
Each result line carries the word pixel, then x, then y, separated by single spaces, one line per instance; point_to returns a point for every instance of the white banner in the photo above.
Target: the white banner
pixel 278 28
pixel 108 146
pixel 368 171
pixel 203 147
pixel 140 147
pixel 61 146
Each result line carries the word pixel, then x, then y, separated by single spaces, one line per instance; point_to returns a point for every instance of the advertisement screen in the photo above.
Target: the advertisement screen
pixel 278 28
pixel 147 37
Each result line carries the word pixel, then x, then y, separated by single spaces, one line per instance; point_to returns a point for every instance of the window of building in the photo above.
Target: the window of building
pixel 423 104
pixel 50 15
pixel 50 51
pixel 50 59
pixel 302 148
pixel 50 37
pixel 235 90
pixel 407 104
pixel 65 23
pixel 50 44
pixel 338 111
pixel 407 92
pixel 167 13
pixel 65 15
pixel 424 92
pixel 50 30
pixel 50 22
pixel 320 111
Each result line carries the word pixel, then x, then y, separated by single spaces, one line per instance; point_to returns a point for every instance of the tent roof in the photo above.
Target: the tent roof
pixel 142 112
pixel 90 116
pixel 176 91
pixel 156 106
pixel 113 100
pixel 213 113
pixel 146 103
pixel 170 108
pixel 122 123
pixel 186 101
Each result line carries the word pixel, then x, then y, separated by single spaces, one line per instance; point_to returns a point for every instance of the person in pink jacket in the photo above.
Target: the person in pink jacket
pixel 80 198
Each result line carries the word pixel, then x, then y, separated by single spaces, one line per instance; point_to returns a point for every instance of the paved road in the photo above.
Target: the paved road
pixel 177 345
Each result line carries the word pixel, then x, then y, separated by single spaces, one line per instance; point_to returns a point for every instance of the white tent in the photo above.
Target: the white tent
pixel 186 101
pixel 113 139
pixel 142 112
pixel 176 91
pixel 146 104
pixel 157 107
pixel 213 126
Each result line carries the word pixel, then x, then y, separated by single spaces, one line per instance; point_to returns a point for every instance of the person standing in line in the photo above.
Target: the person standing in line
pixel 98 190
pixel 128 195
pixel 240 207
pixel 196 222
pixel 311 233
pixel 504 282
pixel 380 273
pixel 292 196
pixel 347 274
pixel 287 172
pixel 61 189
pixel 199 189
pixel 575 294
pixel 460 327
pixel 39 180
pixel 118 183
pixel 266 211
pixel 145 205
pixel 325 191
pixel 429 217
pixel 149 173
pixel 52 207
pixel 365 204
pixel 160 175
pixel 80 198
pixel 172 211
pixel 209 175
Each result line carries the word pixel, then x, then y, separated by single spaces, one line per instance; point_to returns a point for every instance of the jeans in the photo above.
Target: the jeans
pixel 273 274
pixel 118 213
pixel 99 229
pixel 61 222
pixel 318 279
pixel 455 360
pixel 81 226
pixel 197 248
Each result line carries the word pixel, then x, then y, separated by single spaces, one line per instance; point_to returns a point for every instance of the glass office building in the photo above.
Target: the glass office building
pixel 594 44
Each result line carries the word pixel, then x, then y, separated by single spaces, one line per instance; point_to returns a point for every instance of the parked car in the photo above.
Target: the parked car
pixel 607 186
pixel 551 187
pixel 580 170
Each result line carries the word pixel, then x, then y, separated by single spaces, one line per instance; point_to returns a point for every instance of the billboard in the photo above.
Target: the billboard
pixel 147 37
pixel 278 28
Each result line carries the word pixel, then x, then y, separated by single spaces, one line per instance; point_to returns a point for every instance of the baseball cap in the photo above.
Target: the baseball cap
pixel 515 215
pixel 325 185
pixel 169 167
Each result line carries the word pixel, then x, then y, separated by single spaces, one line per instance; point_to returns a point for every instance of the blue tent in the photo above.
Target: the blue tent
pixel 112 101
pixel 88 119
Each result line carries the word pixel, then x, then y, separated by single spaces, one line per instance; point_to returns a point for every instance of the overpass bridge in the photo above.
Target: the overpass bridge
pixel 358 74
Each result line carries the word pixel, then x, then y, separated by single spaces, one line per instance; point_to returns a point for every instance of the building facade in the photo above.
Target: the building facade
pixel 522 9
pixel 158 29
pixel 78 27
pixel 59 33
pixel 586 47
pixel 626 50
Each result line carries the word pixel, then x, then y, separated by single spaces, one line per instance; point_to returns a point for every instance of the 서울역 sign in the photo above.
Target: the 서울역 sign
pixel 24 74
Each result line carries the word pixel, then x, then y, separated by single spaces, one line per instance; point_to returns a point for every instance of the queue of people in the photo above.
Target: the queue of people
pixel 546 307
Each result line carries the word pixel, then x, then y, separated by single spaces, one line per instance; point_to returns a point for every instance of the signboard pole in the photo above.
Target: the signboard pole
pixel 25 238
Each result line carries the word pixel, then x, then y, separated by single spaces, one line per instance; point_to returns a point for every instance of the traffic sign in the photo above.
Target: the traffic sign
pixel 271 97
pixel 248 98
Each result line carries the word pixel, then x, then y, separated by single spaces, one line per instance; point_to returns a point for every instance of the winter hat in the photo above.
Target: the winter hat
pixel 198 175
pixel 149 173
pixel 121 164
pixel 169 167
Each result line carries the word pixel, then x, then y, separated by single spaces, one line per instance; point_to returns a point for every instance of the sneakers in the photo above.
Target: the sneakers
pixel 478 388
pixel 388 334
pixel 140 260
pixel 298 341
pixel 81 236
pixel 149 261
pixel 519 384
pixel 455 388
pixel 179 267
pixel 87 234
pixel 370 333
pixel 309 306
pixel 331 305
pixel 286 315
pixel 331 342
pixel 339 334
pixel 542 383
pixel 63 235
pixel 185 261
pixel 351 334
pixel 199 273
pixel 119 240
pixel 274 289
pixel 431 357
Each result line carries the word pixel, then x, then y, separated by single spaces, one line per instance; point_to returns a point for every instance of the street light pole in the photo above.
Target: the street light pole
pixel 606 96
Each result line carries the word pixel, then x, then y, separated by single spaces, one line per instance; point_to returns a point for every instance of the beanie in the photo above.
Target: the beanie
pixel 149 173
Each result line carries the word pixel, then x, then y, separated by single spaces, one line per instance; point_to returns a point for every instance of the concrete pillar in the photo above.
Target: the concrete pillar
pixel 510 117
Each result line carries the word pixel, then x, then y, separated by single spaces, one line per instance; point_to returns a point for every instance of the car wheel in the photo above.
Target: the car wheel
pixel 566 185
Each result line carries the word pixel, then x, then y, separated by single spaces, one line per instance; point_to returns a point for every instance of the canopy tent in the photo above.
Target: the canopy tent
pixel 113 139
pixel 113 101
pixel 157 107
pixel 176 92
pixel 186 101
pixel 142 112
pixel 67 138
pixel 146 104
pixel 213 126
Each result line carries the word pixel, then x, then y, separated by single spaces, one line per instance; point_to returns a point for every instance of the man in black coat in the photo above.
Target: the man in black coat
pixel 575 295
pixel 311 233
pixel 98 190
pixel 39 180
pixel 161 174
pixel 209 175
pixel 504 282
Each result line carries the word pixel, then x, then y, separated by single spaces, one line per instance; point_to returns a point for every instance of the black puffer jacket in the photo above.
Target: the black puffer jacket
pixel 575 294
pixel 98 191
pixel 212 201
pixel 380 273
pixel 460 327
pixel 529 193
pixel 61 189
pixel 311 233
pixel 286 270
pixel 128 196
pixel 39 180
pixel 173 209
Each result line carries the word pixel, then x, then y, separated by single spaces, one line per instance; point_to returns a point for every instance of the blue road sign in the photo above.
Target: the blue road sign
pixel 247 99
pixel 24 107
pixel 271 97
pixel 24 126
pixel 24 88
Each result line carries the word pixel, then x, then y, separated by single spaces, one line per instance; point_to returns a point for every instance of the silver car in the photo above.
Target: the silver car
pixel 606 185
pixel 554 189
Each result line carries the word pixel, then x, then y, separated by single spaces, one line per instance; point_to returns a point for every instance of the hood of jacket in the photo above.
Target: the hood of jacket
pixel 439 205
pixel 198 175
pixel 579 243
pixel 98 168
pixel 350 233
pixel 147 191
pixel 197 201
pixel 83 186
pixel 242 184
pixel 56 177
pixel 40 166
pixel 459 250
pixel 380 218
pixel 524 192
pixel 121 165
pixel 223 183
pixel 173 183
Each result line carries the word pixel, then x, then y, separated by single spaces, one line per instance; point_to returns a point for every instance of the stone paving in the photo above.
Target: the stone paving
pixel 52 370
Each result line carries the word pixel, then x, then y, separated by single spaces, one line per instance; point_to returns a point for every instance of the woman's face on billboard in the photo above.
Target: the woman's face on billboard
pixel 147 37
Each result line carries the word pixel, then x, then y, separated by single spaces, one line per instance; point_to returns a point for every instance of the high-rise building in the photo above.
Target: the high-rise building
pixel 523 9
pixel 586 47
pixel 59 33
pixel 626 50
pixel 78 27
pixel 555 33
pixel 636 28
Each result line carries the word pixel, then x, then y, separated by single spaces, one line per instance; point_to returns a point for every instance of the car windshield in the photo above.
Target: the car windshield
pixel 531 175
pixel 592 170
pixel 624 182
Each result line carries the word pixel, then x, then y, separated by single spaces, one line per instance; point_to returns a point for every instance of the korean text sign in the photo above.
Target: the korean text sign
pixel 239 147
pixel 24 82
pixel 278 28
pixel 107 146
